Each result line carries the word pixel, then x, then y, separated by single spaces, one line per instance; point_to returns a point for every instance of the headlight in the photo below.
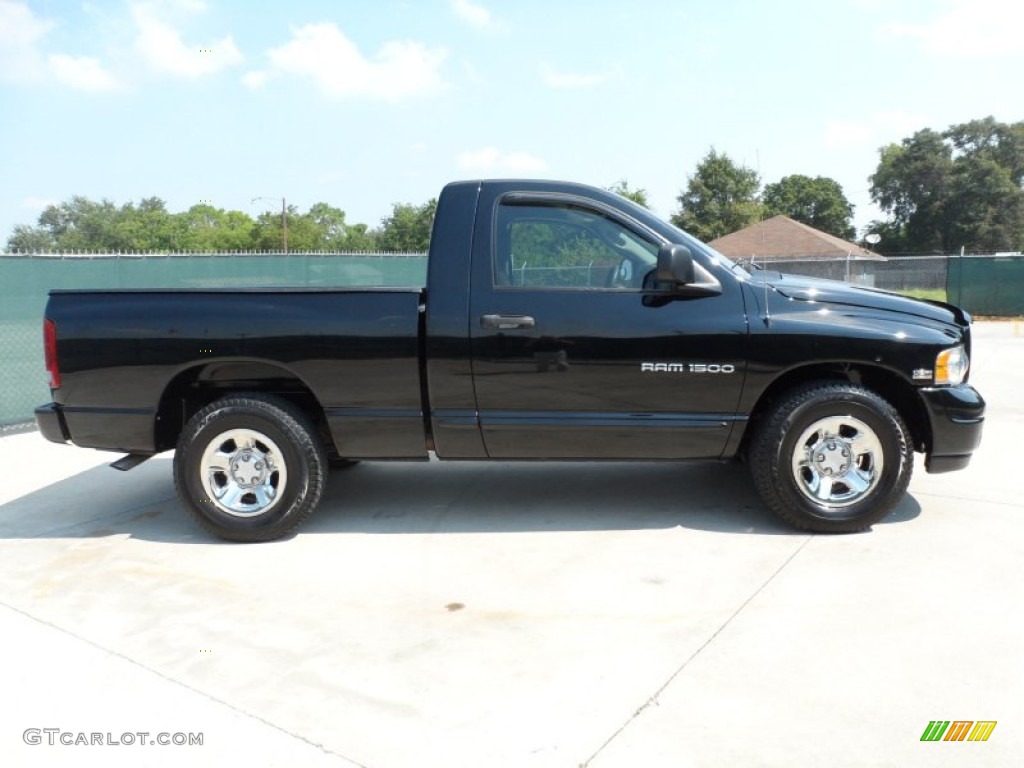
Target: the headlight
pixel 951 366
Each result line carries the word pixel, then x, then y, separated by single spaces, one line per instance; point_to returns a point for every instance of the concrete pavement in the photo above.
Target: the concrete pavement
pixel 516 615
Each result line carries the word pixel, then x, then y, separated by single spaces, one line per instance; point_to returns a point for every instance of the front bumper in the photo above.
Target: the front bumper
pixel 50 421
pixel 956 415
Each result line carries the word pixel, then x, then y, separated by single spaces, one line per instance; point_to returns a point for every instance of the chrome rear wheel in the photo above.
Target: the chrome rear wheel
pixel 243 472
pixel 250 467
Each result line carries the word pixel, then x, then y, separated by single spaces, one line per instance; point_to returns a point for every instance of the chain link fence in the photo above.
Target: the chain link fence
pixel 987 284
pixel 921 276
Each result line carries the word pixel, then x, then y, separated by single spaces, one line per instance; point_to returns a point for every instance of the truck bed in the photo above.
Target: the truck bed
pixel 357 351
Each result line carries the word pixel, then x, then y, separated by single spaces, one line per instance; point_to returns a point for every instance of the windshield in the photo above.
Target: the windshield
pixel 677 235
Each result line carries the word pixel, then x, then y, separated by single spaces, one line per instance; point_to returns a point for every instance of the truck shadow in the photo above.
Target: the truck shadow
pixel 434 498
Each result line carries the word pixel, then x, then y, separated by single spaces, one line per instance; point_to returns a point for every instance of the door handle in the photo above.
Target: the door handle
pixel 506 322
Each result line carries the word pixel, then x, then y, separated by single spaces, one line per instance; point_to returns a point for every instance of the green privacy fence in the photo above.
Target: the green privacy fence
pixel 991 285
pixel 984 285
pixel 26 280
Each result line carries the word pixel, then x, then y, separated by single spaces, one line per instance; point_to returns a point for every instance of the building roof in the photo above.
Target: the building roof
pixel 780 237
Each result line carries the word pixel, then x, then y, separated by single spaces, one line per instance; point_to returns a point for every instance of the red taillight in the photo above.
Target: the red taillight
pixel 50 352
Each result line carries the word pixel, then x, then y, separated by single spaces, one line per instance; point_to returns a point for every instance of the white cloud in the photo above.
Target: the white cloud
pixel 20 32
pixel 254 80
pixel 968 29
pixel 473 13
pixel 554 79
pixel 160 44
pixel 21 61
pixel 82 73
pixel 400 69
pixel 491 160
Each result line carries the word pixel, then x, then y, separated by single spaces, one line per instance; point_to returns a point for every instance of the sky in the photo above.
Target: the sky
pixel 365 104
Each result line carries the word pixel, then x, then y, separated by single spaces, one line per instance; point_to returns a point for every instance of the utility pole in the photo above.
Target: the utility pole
pixel 284 225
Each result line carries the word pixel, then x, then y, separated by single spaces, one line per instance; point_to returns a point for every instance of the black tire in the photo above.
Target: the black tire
pixel 274 467
pixel 831 457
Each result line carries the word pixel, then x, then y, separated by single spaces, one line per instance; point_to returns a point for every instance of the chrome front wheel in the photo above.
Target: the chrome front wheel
pixel 831 456
pixel 838 461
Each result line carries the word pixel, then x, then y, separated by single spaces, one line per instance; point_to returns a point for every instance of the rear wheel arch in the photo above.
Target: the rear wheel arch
pixel 196 387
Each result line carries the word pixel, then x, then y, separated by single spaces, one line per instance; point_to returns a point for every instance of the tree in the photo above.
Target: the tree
pixel 912 185
pixel 206 228
pixel 985 207
pixel 720 197
pixel 1002 143
pixel 893 237
pixel 82 224
pixel 28 239
pixel 956 189
pixel 336 234
pixel 817 202
pixel 145 228
pixel 236 232
pixel 408 227
pixel 304 234
pixel 330 224
pixel 361 239
pixel 638 196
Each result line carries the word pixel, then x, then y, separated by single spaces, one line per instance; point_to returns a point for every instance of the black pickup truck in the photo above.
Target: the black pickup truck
pixel 558 322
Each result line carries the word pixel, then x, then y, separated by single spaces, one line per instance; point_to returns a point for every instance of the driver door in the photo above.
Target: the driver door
pixel 562 340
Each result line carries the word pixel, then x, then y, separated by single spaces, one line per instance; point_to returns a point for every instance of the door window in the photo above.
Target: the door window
pixel 568 247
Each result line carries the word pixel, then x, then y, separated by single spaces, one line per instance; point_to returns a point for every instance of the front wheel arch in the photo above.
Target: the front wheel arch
pixel 899 392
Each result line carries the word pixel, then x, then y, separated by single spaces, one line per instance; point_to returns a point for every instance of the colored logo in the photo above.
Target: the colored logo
pixel 958 730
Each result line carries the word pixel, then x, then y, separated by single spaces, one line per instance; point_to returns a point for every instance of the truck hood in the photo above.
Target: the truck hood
pixel 811 289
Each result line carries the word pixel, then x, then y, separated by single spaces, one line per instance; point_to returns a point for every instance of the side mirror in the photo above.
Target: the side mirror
pixel 675 264
pixel 679 276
